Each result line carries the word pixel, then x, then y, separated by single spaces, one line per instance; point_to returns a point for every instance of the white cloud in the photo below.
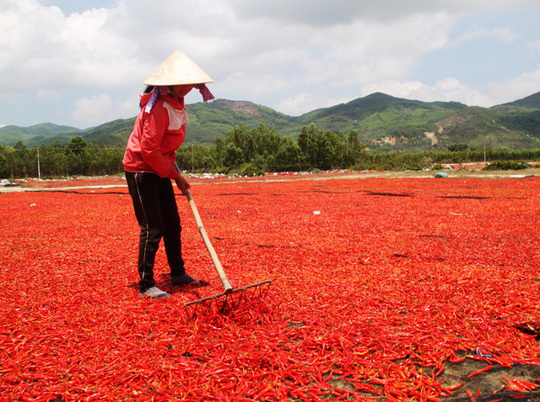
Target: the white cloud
pixel 451 89
pixel 96 110
pixel 46 95
pixel 323 13
pixel 43 49
pixel 301 67
pixel 128 108
pixel 503 35
pixel 517 88
pixel 305 101
pixel 448 89
pixel 534 46
pixel 297 55
pixel 102 108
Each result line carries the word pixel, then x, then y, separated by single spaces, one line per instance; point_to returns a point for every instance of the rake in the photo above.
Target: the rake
pixel 224 301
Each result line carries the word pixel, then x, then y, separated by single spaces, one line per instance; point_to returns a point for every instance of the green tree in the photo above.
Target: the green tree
pixel 4 167
pixel 78 163
pixel 241 139
pixel 234 156
pixel 220 149
pixel 457 147
pixel 21 160
pixel 77 145
pixel 324 150
pixel 356 150
pixel 265 140
pixel 307 141
pixel 288 156
pixel 9 157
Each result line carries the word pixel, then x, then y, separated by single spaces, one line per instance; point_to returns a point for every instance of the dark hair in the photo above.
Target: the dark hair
pixel 149 88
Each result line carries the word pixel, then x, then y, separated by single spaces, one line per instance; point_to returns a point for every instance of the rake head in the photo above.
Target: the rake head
pixel 228 301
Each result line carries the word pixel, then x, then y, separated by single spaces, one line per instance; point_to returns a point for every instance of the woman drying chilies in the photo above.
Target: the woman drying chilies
pixel 149 164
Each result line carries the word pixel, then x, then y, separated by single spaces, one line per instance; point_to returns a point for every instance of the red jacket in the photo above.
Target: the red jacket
pixel 156 136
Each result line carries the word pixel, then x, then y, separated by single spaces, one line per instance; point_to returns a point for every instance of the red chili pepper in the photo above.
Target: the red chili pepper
pixel 454 359
pixel 516 384
pixel 527 384
pixel 482 370
pixel 454 387
pixel 439 368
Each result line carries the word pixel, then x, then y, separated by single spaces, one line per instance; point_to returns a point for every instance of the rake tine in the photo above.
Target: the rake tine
pixel 227 301
pixel 239 299
pixel 259 289
pixel 204 299
pixel 208 306
pixel 224 303
pixel 193 311
pixel 252 295
pixel 203 306
pixel 257 285
pixel 267 289
pixel 244 295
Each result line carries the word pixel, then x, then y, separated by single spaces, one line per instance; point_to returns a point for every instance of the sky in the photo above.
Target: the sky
pixel 81 63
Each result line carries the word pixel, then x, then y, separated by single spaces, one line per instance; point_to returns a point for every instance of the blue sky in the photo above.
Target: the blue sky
pixel 482 56
pixel 82 63
pixel 78 6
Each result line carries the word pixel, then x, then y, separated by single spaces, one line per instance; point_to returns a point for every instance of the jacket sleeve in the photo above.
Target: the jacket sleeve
pixel 154 125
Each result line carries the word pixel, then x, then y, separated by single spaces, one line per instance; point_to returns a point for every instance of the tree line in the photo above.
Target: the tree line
pixel 244 151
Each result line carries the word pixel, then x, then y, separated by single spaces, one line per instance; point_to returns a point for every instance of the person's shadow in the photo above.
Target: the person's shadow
pixel 164 283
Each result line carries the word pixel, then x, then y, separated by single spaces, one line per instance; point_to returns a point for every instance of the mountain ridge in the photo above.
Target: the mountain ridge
pixel 383 123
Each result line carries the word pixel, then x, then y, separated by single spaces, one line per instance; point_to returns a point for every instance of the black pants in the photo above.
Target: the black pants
pixel 157 215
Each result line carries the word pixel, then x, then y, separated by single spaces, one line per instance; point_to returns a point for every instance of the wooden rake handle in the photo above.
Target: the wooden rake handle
pixel 217 265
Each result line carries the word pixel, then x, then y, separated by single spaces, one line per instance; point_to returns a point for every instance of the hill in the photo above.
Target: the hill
pixel 383 122
pixel 521 116
pixel 36 134
pixel 530 102
pixel 207 121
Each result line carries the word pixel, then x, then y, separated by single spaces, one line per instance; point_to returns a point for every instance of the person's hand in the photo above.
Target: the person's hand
pixel 182 183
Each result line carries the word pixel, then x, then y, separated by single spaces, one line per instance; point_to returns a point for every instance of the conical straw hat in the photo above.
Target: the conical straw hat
pixel 178 69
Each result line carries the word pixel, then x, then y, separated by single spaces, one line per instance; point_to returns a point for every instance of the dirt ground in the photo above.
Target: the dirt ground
pixel 457 173
pixel 486 386
pixel 490 383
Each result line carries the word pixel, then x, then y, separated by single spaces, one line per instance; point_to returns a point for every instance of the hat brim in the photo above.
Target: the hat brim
pixel 178 69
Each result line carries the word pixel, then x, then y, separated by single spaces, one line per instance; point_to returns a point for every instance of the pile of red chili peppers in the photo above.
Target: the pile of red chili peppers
pixel 378 285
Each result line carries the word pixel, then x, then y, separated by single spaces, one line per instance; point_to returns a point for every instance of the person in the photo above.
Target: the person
pixel 150 165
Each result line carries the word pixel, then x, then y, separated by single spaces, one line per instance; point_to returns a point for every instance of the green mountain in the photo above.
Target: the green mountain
pixel 521 116
pixel 36 134
pixel 115 132
pixel 207 121
pixel 530 102
pixel 383 122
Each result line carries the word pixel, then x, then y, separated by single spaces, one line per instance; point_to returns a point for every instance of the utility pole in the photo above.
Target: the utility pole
pixel 38 167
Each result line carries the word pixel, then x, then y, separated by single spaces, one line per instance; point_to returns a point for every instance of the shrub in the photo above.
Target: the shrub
pixel 506 165
pixel 247 169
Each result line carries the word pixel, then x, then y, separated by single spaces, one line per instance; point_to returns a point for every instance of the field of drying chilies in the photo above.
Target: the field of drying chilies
pixel 383 289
